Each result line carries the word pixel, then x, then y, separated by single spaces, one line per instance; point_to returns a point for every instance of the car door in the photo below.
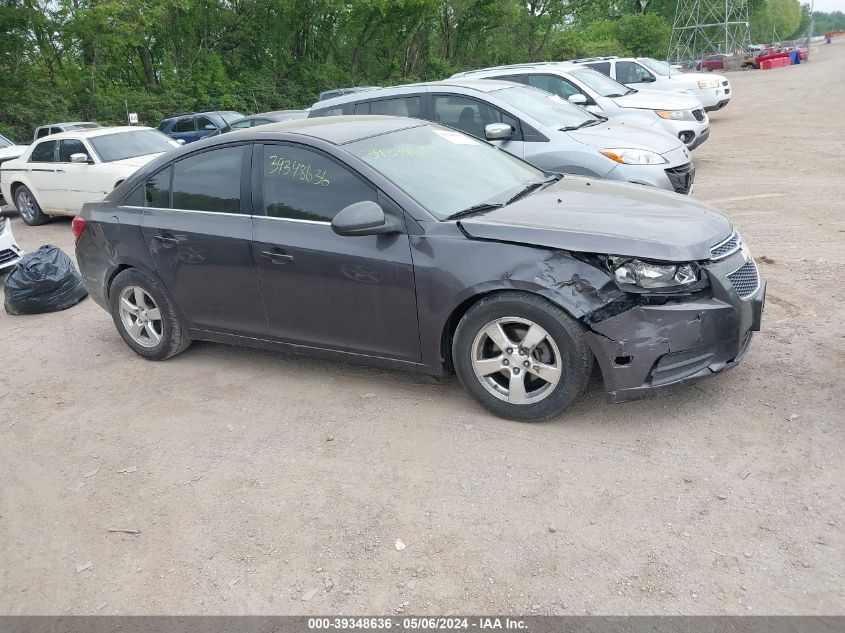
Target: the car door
pixel 472 116
pixel 349 293
pixel 198 230
pixel 184 129
pixel 42 170
pixel 79 181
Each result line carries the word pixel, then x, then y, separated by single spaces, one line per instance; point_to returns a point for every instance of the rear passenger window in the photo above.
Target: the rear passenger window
pixel 134 199
pixel 44 153
pixel 301 184
pixel 403 106
pixel 209 181
pixel 158 189
pixel 362 108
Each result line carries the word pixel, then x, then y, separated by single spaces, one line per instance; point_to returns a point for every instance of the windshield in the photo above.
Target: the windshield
pixel 661 68
pixel 228 117
pixel 444 170
pixel 605 86
pixel 548 109
pixel 121 145
pixel 4 142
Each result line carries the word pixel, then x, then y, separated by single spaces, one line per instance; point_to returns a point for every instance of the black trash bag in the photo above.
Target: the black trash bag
pixel 43 281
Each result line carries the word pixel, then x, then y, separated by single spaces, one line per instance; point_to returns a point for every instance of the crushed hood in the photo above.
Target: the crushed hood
pixel 607 135
pixel 658 100
pixel 598 216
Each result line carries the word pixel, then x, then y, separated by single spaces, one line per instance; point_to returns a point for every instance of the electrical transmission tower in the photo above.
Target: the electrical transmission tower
pixel 705 27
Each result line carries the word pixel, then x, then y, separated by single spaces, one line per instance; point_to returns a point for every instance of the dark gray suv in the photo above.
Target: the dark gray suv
pixel 400 242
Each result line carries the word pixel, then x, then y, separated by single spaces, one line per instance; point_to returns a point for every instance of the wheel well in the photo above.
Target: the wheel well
pixel 117 271
pixel 458 313
pixel 13 188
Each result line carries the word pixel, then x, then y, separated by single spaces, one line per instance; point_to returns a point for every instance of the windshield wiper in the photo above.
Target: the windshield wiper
pixel 476 208
pixel 587 123
pixel 533 187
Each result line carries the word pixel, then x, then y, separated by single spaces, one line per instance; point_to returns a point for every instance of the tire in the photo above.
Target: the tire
pixel 145 316
pixel 558 344
pixel 28 207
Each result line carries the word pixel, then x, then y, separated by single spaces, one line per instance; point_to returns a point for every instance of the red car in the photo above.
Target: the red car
pixel 711 63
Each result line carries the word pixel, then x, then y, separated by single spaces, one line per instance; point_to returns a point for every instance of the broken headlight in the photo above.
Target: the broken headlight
pixel 635 275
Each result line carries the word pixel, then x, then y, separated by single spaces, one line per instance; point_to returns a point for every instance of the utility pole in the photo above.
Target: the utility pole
pixel 702 26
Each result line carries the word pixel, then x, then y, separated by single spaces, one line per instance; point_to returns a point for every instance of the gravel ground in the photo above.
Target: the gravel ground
pixel 264 483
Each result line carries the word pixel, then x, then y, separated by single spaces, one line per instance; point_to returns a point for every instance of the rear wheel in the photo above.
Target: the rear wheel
pixel 521 357
pixel 29 209
pixel 145 316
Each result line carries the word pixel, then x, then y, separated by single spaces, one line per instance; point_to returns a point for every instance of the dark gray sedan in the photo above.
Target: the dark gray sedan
pixel 403 243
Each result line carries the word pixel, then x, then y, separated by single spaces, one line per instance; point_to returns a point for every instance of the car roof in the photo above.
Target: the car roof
pixel 275 113
pixel 337 130
pixel 93 132
pixel 459 82
pixel 67 123
pixel 516 69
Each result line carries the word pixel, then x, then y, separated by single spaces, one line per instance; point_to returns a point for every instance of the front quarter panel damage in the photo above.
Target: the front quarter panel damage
pixel 451 271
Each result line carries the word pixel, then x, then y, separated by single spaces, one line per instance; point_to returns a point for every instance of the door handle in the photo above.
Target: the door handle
pixel 166 241
pixel 276 257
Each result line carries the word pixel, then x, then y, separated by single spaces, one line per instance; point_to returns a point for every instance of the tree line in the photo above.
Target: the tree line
pixel 96 59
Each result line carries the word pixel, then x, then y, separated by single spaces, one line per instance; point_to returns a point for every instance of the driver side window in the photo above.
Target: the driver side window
pixel 301 184
pixel 555 85
pixel 469 115
pixel 631 73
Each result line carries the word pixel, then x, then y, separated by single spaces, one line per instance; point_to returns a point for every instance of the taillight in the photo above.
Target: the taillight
pixel 76 227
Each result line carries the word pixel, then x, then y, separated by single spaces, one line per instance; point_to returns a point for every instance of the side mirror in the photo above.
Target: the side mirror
pixel 79 158
pixel 648 79
pixel 498 131
pixel 578 99
pixel 181 141
pixel 209 127
pixel 362 218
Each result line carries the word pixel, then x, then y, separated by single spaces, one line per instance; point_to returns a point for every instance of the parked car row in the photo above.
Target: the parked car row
pixel 580 117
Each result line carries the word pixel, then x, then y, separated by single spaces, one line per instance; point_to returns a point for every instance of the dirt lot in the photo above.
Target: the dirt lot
pixel 724 497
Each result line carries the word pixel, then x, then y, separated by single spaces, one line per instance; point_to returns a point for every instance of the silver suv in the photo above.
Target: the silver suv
pixel 534 125
pixel 680 115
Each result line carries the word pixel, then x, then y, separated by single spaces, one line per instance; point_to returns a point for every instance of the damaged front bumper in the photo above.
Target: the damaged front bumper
pixel 650 348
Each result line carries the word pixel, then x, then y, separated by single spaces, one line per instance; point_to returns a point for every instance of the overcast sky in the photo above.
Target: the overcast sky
pixel 828 5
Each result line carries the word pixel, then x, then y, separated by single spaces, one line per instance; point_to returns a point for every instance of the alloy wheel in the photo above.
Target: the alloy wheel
pixel 25 205
pixel 516 360
pixel 141 317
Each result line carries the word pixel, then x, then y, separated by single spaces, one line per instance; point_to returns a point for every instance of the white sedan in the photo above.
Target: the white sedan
pixel 59 173
pixel 10 252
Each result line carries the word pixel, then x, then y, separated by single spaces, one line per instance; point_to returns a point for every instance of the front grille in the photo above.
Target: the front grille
pixel 698 114
pixel 7 255
pixel 730 245
pixel 681 177
pixel 745 279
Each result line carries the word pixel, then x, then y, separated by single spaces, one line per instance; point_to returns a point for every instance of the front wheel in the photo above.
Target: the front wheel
pixel 29 209
pixel 145 316
pixel 521 357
